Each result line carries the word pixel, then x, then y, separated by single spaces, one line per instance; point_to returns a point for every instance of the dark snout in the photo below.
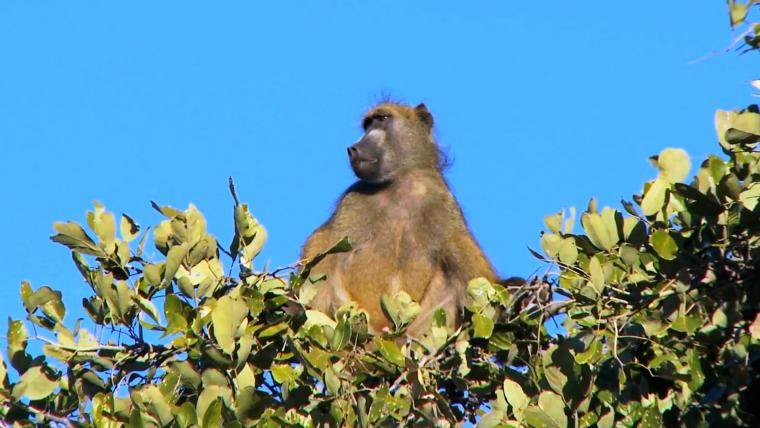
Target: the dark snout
pixel 361 152
pixel 353 152
pixel 365 158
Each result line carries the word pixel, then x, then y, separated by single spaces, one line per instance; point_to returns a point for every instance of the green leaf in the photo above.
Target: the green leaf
pixel 554 222
pixel 34 384
pixel 3 372
pixel 439 318
pixel 557 380
pixel 551 244
pixel 148 307
pixel 390 351
pixel 481 291
pixel 607 420
pixel 17 340
pixel 553 405
pixel 664 244
pixel 73 236
pixel 154 273
pixel 598 232
pixel 745 128
pixel 703 204
pixel 49 300
pixel 341 335
pixel 283 373
pixel 166 210
pixel 206 403
pixel 332 382
pixel 400 308
pixel 737 12
pixel 128 228
pixel 174 259
pixel 749 197
pixel 482 326
pixel 515 395
pixel 213 377
pixel 314 317
pixel 695 370
pixel 123 299
pixel 629 255
pixel 492 419
pixel 654 198
pixel 104 225
pixel 186 372
pixel 591 354
pixel 674 165
pixel 687 324
pixel 153 401
pixel 186 415
pixel 250 236
pixel 754 328
pixel 212 417
pixel 570 221
pixel 730 186
pixel 568 251
pixel 227 315
pixel 597 275
pixel 251 404
pixel 174 313
pixel 723 121
pixel 538 418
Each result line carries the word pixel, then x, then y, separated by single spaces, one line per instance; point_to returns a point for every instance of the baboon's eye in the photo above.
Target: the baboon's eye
pixel 379 118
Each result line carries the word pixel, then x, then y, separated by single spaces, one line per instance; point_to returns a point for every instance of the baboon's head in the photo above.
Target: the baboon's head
pixel 396 138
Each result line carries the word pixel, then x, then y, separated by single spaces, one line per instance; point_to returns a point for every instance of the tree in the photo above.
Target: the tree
pixel 658 301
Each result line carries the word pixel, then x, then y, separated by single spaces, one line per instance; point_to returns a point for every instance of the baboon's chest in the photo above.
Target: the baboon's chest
pixel 394 248
pixel 395 257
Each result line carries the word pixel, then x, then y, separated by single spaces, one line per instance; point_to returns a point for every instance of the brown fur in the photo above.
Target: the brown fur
pixel 407 230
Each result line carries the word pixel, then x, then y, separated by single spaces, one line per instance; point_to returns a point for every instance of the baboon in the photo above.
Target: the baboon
pixel 406 229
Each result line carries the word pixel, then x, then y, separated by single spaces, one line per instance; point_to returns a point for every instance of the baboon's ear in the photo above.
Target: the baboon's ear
pixel 424 114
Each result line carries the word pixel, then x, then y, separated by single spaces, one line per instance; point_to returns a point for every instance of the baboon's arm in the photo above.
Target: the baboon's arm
pixel 465 260
pixel 319 241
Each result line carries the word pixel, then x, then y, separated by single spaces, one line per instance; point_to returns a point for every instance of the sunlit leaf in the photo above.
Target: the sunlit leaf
pixel 674 165
pixel 654 198
pixel 482 325
pixel 553 405
pixel 400 308
pixel 128 228
pixel 227 315
pixel 390 351
pixel 663 244
pixel 602 236
pixel 34 384
pixel 515 395
pixel 73 236
pixel 597 274
pixel 750 196
pixel 104 226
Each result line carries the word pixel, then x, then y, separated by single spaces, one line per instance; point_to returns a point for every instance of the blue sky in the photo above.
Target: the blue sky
pixel 541 106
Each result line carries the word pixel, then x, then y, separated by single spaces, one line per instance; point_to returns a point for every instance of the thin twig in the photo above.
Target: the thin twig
pixel 232 191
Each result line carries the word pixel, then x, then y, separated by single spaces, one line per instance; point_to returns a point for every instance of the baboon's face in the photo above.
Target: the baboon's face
pixel 394 138
pixel 372 157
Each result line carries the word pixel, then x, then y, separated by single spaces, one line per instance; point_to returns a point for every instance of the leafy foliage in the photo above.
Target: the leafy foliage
pixel 659 305
pixel 739 15
pixel 176 342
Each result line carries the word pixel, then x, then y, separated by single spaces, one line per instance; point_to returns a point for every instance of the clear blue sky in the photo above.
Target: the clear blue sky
pixel 542 106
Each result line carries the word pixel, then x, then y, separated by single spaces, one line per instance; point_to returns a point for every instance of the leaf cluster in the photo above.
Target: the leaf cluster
pixel 173 340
